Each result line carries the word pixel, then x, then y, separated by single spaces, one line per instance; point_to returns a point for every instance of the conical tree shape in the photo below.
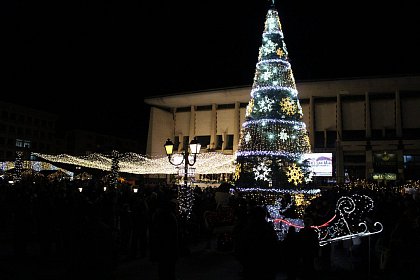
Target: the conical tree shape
pixel 273 135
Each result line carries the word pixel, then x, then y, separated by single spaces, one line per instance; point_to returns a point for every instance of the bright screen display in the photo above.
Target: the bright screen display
pixel 319 163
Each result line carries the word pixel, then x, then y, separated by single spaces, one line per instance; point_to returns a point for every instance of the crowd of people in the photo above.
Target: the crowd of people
pixel 93 229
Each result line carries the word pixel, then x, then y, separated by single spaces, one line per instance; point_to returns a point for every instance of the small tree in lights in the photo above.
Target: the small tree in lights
pixel 115 168
pixel 273 135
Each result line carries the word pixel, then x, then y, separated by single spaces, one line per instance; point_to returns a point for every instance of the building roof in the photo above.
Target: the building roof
pixel 306 89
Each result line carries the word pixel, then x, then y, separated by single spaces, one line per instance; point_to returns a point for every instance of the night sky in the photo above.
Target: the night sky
pixel 69 56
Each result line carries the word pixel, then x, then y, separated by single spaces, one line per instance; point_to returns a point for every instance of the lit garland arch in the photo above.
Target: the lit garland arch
pixel 207 163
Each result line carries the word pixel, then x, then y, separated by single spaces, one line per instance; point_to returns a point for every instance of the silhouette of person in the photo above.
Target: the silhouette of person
pixel 164 239
pixel 257 246
pixel 291 253
pixel 309 245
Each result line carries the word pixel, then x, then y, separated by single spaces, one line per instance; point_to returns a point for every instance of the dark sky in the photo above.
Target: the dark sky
pixel 93 61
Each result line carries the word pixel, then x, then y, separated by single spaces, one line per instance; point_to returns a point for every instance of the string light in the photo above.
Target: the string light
pixel 259 90
pixel 18 166
pixel 207 163
pixel 36 166
pixel 350 221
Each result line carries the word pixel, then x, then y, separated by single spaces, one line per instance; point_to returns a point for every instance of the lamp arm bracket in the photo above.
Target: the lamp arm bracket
pixel 173 163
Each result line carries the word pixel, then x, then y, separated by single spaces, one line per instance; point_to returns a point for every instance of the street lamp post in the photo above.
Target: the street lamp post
pixel 184 195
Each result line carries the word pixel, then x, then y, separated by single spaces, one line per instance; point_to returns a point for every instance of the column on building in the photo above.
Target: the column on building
pixel 180 135
pixel 398 133
pixel 312 121
pixel 192 124
pixel 339 157
pixel 367 116
pixel 224 139
pixel 368 130
pixel 181 142
pixel 236 126
pixel 369 161
pixel 213 128
pixel 398 121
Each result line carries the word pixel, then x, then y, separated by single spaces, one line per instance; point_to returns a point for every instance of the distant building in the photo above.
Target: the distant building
pixel 371 125
pixel 82 142
pixel 29 130
pixel 26 129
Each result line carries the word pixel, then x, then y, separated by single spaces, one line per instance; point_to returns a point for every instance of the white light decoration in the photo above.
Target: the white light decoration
pixel 351 220
pixel 256 91
pixel 268 47
pixel 298 125
pixel 247 137
pixel 267 75
pixel 33 165
pixel 262 172
pixel 265 153
pixel 18 166
pixel 283 135
pixel 282 191
pixel 265 104
pixel 207 163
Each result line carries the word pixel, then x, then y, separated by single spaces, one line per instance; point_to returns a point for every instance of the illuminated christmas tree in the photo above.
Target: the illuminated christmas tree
pixel 273 135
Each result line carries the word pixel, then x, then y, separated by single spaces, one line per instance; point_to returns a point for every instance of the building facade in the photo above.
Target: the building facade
pixel 25 129
pixel 28 130
pixel 83 142
pixel 370 125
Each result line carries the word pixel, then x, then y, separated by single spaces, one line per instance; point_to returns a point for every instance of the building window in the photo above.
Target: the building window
pixel 204 141
pixel 183 109
pixel 26 144
pixel 219 142
pixel 226 106
pixel 229 142
pixel 204 108
pixel 349 135
pixel 331 138
pixel 411 133
pixel 19 143
pixel 319 139
pixel 23 143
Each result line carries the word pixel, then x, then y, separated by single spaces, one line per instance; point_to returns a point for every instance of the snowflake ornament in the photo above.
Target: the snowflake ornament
pixel 283 135
pixel 265 104
pixel 247 137
pixel 237 171
pixel 280 52
pixel 250 107
pixel 294 174
pixel 272 23
pixel 288 106
pixel 266 75
pixel 299 108
pixel 262 172
pixel 269 47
